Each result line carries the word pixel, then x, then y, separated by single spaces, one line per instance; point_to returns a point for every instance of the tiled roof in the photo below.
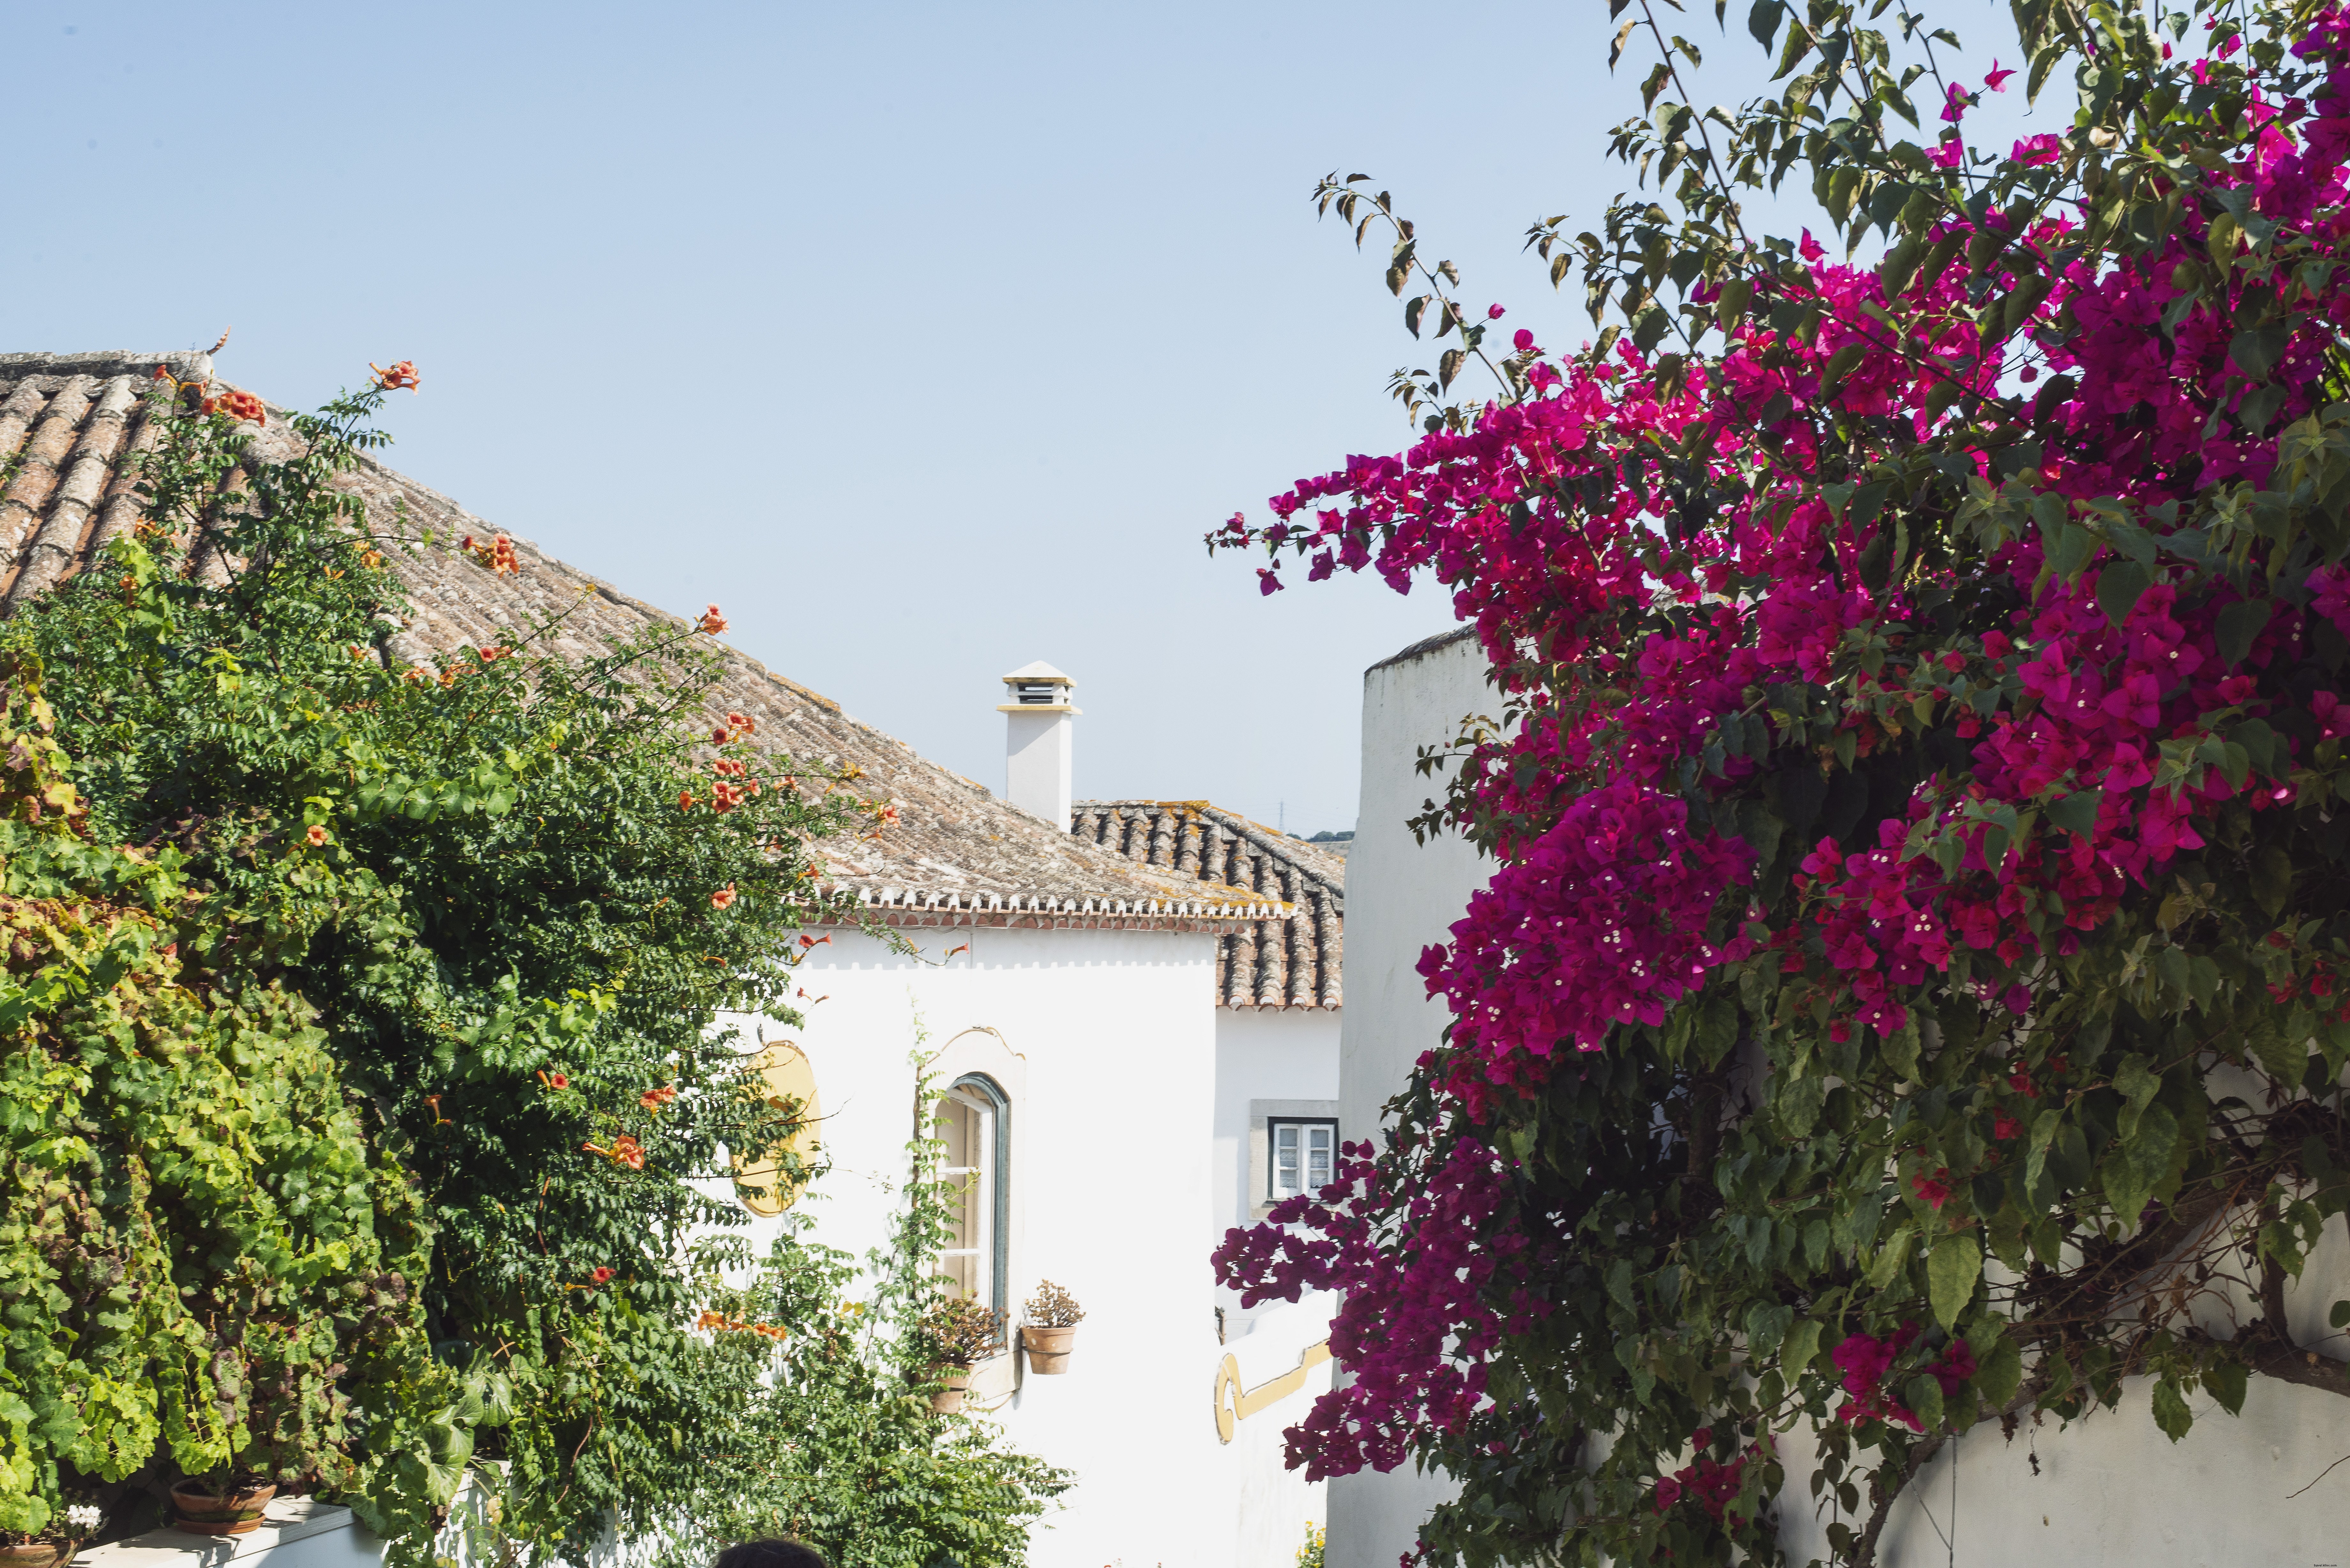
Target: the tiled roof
pixel 957 855
pixel 1270 963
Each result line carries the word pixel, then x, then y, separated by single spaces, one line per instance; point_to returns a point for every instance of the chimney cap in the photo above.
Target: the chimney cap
pixel 1037 688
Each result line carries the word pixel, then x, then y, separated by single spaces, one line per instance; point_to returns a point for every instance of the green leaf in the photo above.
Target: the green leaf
pixel 2226 1382
pixel 1923 1395
pixel 1717 1027
pixel 2271 879
pixel 2137 1087
pixel 2171 1411
pixel 2077 811
pixel 1842 363
pixel 1889 1261
pixel 2119 586
pixel 1766 1325
pixel 1763 20
pixel 1799 1101
pixel 1951 1271
pixel 2256 349
pixel 1619 1283
pixel 2136 1165
pixel 2071 550
pixel 1801 1347
pixel 1900 1049
pixel 2236 628
pixel 1999 1374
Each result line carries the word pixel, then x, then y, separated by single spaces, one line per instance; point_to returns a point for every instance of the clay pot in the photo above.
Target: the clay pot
pixel 202 1514
pixel 38 1555
pixel 1049 1348
pixel 953 1380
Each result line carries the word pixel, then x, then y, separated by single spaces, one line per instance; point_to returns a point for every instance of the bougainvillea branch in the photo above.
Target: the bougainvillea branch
pixel 1906 994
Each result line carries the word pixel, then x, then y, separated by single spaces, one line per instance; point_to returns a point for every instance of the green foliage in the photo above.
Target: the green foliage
pixel 386 1046
pixel 200 1251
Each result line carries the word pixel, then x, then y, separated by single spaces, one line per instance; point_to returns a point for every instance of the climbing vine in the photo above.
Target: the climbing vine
pixel 831 1436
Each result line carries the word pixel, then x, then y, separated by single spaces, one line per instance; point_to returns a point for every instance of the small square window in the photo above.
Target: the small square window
pixel 1303 1155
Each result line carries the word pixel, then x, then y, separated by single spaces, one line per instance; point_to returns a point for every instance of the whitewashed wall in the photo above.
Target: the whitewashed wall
pixel 1107 1043
pixel 1401 896
pixel 1286 1056
pixel 2111 1489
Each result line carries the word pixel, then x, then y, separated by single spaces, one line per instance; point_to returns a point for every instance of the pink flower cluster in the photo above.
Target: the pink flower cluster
pixel 1867 1362
pixel 1708 1482
pixel 1414 1346
pixel 1546 522
pixel 1602 921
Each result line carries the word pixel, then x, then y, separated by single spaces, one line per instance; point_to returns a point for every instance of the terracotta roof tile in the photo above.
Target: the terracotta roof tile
pixel 1291 963
pixel 957 855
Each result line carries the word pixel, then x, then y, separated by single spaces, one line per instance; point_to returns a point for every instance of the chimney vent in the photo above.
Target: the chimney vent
pixel 1036 741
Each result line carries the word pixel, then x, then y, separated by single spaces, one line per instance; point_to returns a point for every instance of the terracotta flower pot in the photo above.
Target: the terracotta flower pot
pixel 38 1555
pixel 202 1514
pixel 955 1380
pixel 1049 1348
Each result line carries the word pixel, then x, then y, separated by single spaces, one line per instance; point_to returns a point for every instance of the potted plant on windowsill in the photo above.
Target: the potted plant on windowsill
pixel 958 1333
pixel 225 1503
pixel 54 1545
pixel 1048 1327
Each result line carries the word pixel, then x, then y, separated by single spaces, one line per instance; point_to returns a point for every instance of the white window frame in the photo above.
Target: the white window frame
pixel 1305 1127
pixel 1256 1174
pixel 990 1113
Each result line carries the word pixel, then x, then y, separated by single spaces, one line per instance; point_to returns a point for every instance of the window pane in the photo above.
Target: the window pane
pixel 1317 1165
pixel 954 1131
pixel 1286 1173
pixel 966 1126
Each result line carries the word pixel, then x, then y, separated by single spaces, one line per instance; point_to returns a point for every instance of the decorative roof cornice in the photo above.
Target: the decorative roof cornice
pixel 932 907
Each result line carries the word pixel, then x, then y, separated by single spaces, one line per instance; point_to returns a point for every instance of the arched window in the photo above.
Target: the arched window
pixel 974 1122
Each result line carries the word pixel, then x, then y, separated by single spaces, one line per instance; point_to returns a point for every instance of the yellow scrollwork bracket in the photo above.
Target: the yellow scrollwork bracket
pixel 1235 1405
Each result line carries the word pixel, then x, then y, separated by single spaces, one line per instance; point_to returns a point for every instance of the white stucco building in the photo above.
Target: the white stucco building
pixel 1131 1009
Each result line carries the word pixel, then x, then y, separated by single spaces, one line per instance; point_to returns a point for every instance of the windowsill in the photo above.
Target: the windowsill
pixel 283 1521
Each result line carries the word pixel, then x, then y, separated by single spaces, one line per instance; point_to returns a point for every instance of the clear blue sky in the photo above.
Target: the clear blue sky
pixel 926 340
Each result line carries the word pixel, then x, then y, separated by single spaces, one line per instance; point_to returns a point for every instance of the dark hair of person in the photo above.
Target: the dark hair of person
pixel 774 1554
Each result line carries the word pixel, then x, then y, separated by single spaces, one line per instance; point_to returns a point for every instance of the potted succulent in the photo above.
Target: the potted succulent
pixel 1049 1325
pixel 55 1546
pixel 226 1503
pixel 958 1332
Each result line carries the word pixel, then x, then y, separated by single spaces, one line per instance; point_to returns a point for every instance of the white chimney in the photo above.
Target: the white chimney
pixel 1036 741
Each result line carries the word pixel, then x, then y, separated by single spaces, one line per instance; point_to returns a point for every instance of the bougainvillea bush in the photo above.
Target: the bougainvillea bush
pixel 1910 994
pixel 410 1048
